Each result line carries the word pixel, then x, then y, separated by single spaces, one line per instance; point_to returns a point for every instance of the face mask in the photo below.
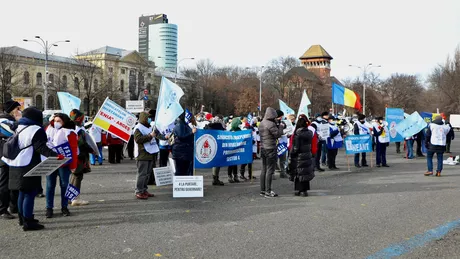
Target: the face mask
pixel 57 125
pixel 149 120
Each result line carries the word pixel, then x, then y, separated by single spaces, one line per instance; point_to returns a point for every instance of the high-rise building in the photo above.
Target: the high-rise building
pixel 158 41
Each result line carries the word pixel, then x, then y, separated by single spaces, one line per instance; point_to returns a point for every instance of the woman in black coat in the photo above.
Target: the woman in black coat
pixel 301 159
pixel 183 147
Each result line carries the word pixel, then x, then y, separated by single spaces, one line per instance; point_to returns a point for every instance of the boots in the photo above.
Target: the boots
pixel 230 179
pixel 31 225
pixel 21 219
pixel 216 181
pixel 235 178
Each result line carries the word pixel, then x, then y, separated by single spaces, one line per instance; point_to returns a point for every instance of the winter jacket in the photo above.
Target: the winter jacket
pixel 269 130
pixel 451 134
pixel 442 131
pixel 182 148
pixel 141 139
pixel 113 140
pixel 83 154
pixel 235 126
pixel 301 157
pixel 214 126
pixel 322 127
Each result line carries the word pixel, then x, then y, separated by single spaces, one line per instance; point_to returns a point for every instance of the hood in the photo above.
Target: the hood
pixel 439 122
pixel 144 119
pixel 270 114
pixel 235 124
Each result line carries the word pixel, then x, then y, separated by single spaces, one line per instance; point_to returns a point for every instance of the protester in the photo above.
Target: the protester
pixel 183 147
pixel 217 123
pixel 145 148
pixel 63 134
pixel 96 134
pixel 115 148
pixel 233 169
pixel 360 128
pixel 398 147
pixel 382 140
pixel 8 124
pixel 246 126
pixel 334 142
pixel 436 138
pixel 450 137
pixel 420 139
pixel 410 146
pixel 84 150
pixel 302 162
pixel 255 138
pixel 33 144
pixel 130 147
pixel 321 126
pixel 271 128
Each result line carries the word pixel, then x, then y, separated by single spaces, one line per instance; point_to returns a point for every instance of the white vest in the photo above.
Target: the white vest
pixel 363 128
pixel 438 134
pixel 96 133
pixel 337 137
pixel 150 147
pixel 24 140
pixel 384 137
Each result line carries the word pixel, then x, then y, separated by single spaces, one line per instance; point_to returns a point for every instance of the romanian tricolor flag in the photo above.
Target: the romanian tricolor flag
pixel 344 96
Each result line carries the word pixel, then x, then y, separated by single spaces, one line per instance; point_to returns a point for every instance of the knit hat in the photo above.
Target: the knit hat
pixel 279 113
pixel 33 114
pixel 324 114
pixel 152 113
pixel 10 105
pixel 208 116
pixel 331 117
pixel 361 117
pixel 77 117
pixel 379 118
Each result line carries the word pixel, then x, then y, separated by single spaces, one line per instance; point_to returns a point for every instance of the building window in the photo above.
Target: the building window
pixel 111 70
pixel 123 71
pixel 110 83
pixel 26 78
pixel 149 75
pixel 122 85
pixel 132 72
pixel 64 81
pixel 95 84
pixel 51 102
pixel 39 79
pixel 86 83
pixel 76 83
pixel 51 79
pixel 39 102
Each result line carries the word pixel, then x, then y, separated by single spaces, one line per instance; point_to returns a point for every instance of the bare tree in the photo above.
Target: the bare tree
pixel 275 74
pixel 402 91
pixel 9 72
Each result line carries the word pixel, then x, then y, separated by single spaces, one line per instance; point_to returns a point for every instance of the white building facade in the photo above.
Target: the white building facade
pixel 163 45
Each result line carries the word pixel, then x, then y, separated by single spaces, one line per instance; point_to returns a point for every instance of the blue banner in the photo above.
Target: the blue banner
pixel 356 144
pixel 64 149
pixel 216 148
pixel 282 148
pixel 72 192
pixel 411 125
pixel 393 117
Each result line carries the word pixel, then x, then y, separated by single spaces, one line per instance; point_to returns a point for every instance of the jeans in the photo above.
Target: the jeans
pixel 410 148
pixel 448 143
pixel 26 202
pixel 381 153
pixel 363 159
pixel 64 175
pixel 324 154
pixel 283 162
pixel 269 157
pixel 144 169
pixel 429 160
pixel 318 155
pixel 99 158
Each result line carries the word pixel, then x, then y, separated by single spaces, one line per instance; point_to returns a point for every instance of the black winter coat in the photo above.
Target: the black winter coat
pixel 214 126
pixel 183 146
pixel 301 158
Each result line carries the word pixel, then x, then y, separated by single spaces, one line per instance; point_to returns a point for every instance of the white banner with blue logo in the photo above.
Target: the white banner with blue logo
pixel 411 125
pixel 216 148
pixel 356 144
pixel 282 148
pixel 72 192
pixel 394 116
pixel 64 150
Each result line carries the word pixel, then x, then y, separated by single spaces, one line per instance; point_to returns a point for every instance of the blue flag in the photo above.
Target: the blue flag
pixel 72 192
pixel 188 116
pixel 250 117
pixel 218 148
pixel 68 102
pixel 411 125
pixel 168 107
pixel 393 117
pixel 285 109
pixel 356 144
pixel 282 148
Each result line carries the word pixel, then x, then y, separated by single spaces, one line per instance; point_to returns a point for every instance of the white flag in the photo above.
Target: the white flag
pixel 303 108
pixel 168 107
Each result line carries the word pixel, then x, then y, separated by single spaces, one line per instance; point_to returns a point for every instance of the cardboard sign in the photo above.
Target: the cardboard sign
pixel 46 167
pixel 135 106
pixel 113 118
pixel 163 176
pixel 72 192
pixel 188 186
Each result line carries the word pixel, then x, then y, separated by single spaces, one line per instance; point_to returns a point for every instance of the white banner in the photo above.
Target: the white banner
pixel 135 106
pixel 188 186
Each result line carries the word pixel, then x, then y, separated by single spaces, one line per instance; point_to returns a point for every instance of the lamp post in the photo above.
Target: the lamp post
pixel 365 68
pixel 261 69
pixel 177 66
pixel 46 47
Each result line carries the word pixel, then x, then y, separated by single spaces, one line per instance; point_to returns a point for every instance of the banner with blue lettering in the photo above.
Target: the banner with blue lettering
pixel 216 148
pixel 393 117
pixel 72 192
pixel 356 144
pixel 282 148
pixel 411 125
pixel 64 150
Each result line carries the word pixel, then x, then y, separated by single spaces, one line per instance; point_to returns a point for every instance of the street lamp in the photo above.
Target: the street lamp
pixel 177 66
pixel 365 68
pixel 261 69
pixel 46 47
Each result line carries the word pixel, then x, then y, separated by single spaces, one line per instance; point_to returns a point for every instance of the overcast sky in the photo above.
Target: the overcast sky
pixel 403 36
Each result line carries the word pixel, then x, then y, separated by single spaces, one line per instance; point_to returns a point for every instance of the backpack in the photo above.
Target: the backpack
pixel 10 147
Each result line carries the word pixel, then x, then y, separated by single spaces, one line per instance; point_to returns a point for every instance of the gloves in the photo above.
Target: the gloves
pixel 60 157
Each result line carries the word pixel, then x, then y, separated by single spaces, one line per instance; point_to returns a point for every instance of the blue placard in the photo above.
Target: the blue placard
pixel 64 149
pixel 356 144
pixel 412 125
pixel 188 116
pixel 216 148
pixel 282 148
pixel 72 192
pixel 393 117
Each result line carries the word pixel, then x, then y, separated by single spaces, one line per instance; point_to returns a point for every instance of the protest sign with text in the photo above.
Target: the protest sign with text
pixel 112 118
pixel 46 167
pixel 188 186
pixel 394 116
pixel 163 175
pixel 356 144
pixel 412 125
pixel 216 148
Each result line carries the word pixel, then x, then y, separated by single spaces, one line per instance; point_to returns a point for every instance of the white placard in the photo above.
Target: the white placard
pixel 135 106
pixel 46 167
pixel 163 176
pixel 188 186
pixel 172 164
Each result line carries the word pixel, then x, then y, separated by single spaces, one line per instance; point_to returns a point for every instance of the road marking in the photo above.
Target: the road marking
pixel 414 242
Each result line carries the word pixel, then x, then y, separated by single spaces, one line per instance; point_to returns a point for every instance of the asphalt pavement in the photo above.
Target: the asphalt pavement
pixel 356 214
